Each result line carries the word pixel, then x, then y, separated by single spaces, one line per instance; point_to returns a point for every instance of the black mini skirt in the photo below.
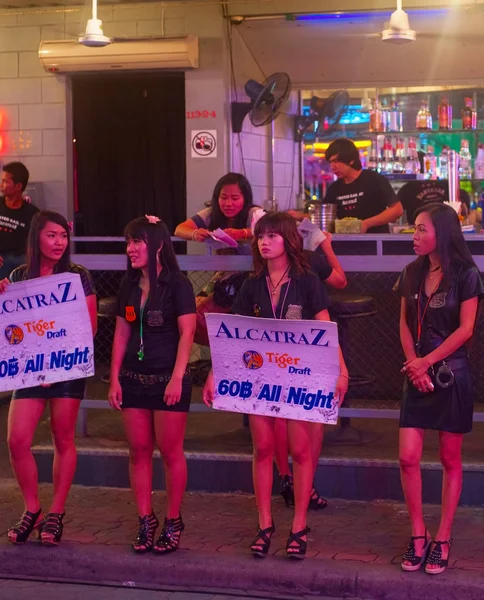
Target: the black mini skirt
pixel 75 388
pixel 147 391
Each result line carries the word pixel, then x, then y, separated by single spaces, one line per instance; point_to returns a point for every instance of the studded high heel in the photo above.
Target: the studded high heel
pixel 52 529
pixel 435 558
pixel 29 521
pixel 169 539
pixel 146 534
pixel 410 555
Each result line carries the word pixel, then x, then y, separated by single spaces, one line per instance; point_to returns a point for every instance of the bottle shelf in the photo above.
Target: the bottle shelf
pixel 415 132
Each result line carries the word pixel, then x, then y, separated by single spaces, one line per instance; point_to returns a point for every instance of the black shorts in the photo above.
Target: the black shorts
pixel 150 395
pixel 75 388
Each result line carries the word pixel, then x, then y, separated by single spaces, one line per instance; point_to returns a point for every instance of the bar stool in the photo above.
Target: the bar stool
pixel 345 307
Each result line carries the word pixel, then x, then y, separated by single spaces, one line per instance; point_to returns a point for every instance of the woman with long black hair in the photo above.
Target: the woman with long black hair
pixel 231 209
pixel 47 253
pixel 155 325
pixel 440 293
pixel 282 287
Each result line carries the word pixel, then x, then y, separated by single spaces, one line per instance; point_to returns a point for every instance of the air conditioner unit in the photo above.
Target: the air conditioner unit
pixel 66 56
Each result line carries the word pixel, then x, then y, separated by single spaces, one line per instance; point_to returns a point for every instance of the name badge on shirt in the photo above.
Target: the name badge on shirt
pixel 130 315
pixel 155 318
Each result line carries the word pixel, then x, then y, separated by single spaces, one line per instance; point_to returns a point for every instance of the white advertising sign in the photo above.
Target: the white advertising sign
pixel 278 368
pixel 45 332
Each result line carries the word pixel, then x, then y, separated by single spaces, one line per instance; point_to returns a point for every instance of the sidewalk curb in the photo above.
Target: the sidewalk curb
pixel 218 571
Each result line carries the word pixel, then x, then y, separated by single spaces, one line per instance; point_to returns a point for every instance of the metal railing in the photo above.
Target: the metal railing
pixel 374 347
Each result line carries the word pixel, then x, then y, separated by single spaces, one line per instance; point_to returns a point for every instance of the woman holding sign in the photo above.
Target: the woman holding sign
pixel 155 325
pixel 47 254
pixel 440 294
pixel 231 210
pixel 282 287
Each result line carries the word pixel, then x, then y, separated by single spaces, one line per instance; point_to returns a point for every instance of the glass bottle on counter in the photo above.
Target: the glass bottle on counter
pixel 424 117
pixel 465 161
pixel 444 163
pixel 445 115
pixel 469 115
pixel 412 164
pixel 430 163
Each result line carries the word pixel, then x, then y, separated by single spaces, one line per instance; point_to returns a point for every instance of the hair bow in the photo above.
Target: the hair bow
pixel 152 219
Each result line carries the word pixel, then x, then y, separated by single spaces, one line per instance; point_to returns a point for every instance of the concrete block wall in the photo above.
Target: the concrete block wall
pixel 35 119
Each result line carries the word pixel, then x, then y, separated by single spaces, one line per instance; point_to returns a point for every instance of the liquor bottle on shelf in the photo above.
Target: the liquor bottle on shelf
pixel 430 163
pixel 445 114
pixel 399 162
pixel 387 166
pixel 469 115
pixel 424 117
pixel 444 163
pixel 479 164
pixel 377 117
pixel 394 118
pixel 465 161
pixel 412 164
pixel 373 157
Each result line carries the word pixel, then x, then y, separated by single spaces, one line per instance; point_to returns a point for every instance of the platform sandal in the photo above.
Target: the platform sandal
pixel 298 551
pixel 435 558
pixel 29 521
pixel 287 490
pixel 317 502
pixel 410 555
pixel 169 539
pixel 262 541
pixel 52 529
pixel 146 534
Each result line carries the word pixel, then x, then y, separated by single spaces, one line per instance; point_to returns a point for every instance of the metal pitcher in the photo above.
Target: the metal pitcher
pixel 322 215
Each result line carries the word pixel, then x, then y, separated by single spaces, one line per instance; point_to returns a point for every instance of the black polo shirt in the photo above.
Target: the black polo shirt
pixel 174 298
pixel 305 298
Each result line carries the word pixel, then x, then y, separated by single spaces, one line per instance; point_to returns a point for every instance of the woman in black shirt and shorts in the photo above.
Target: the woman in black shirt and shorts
pixel 283 287
pixel 47 253
pixel 155 325
pixel 440 293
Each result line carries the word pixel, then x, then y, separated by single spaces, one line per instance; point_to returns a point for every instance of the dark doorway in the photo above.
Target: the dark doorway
pixel 129 153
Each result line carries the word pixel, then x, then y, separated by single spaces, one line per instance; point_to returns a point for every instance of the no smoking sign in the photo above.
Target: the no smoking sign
pixel 204 143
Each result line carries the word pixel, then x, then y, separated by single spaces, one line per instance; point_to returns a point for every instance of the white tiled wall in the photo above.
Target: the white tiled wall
pixel 252 148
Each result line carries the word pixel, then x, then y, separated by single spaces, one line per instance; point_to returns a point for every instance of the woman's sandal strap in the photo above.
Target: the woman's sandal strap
pixel 316 501
pixel 435 556
pixel 300 548
pixel 263 534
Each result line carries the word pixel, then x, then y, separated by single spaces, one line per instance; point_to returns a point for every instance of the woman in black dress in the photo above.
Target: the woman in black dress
pixel 283 287
pixel 47 253
pixel 155 325
pixel 440 292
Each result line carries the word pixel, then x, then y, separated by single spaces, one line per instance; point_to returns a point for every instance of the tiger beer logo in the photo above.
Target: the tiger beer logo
pixel 14 334
pixel 252 359
pixel 130 314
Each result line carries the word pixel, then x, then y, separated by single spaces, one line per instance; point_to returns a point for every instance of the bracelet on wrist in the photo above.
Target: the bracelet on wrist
pixel 193 233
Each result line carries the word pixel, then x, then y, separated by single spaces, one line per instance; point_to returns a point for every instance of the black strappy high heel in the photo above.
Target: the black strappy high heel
pixel 299 550
pixel 435 558
pixel 52 529
pixel 411 557
pixel 287 490
pixel 169 539
pixel 146 534
pixel 262 541
pixel 317 502
pixel 20 533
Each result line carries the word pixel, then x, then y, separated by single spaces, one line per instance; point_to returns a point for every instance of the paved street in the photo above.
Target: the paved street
pixel 26 590
pixel 354 548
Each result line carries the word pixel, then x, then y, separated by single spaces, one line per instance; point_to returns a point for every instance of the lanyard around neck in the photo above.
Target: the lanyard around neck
pixel 283 302
pixel 141 351
pixel 420 319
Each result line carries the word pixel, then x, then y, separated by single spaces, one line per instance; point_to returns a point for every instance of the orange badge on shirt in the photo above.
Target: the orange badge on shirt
pixel 130 314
